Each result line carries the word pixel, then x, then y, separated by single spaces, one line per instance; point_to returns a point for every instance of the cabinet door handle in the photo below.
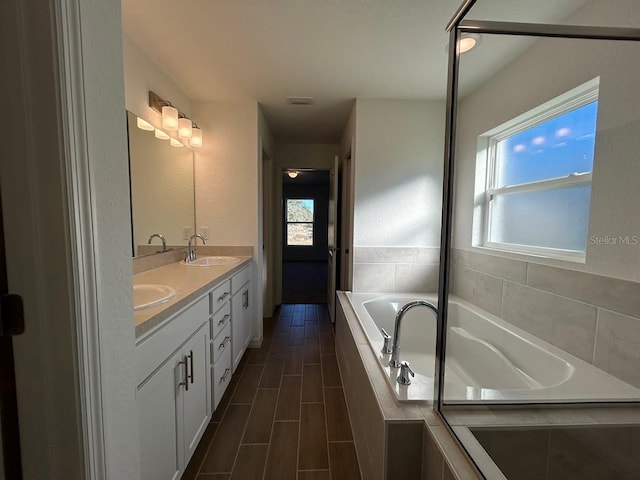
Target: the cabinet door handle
pixel 224 375
pixel 222 297
pixel 186 373
pixel 223 319
pixel 191 364
pixel 224 342
pixel 245 299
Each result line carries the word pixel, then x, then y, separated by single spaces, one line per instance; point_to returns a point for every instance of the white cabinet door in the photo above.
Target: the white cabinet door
pixel 237 328
pixel 160 418
pixel 196 395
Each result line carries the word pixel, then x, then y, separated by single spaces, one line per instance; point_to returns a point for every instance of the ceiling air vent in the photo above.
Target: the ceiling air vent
pixel 300 100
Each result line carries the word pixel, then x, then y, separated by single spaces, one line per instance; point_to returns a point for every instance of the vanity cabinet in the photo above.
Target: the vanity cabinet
pixel 173 400
pixel 221 340
pixel 241 318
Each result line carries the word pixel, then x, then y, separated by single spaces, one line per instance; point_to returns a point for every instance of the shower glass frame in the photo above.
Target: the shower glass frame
pixel 458 26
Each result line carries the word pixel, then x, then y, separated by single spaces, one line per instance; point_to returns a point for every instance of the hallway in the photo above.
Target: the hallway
pixel 283 415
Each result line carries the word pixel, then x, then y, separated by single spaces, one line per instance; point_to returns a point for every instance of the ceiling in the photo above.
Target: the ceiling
pixel 331 50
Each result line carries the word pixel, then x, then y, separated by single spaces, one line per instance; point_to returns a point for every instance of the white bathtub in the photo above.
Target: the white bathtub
pixel 488 359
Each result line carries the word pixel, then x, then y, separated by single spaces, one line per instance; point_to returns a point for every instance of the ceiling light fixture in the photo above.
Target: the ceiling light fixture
pixel 174 120
pixel 292 173
pixel 468 41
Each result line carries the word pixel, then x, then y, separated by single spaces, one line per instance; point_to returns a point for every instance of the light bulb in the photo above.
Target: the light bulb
pixel 144 125
pixel 161 135
pixel 170 118
pixel 468 41
pixel 184 128
pixel 292 174
pixel 196 137
pixel 175 143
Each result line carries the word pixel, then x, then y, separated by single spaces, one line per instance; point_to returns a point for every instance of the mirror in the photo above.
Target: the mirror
pixel 162 190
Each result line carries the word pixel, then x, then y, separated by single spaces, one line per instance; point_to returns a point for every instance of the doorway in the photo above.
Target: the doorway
pixel 305 222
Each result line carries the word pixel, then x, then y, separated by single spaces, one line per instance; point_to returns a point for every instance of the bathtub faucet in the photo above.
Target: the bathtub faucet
pixel 395 348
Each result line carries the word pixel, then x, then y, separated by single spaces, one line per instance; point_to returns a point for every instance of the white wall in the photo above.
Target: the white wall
pixel 228 183
pixel 398 172
pixel 142 75
pixel 266 162
pixel 521 86
pixel 43 236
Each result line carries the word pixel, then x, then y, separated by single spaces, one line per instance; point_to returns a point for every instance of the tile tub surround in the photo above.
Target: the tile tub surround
pixel 395 269
pixel 189 283
pixel 593 317
pixel 376 417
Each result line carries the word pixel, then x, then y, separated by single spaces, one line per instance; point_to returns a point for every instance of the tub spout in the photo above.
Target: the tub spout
pixel 395 348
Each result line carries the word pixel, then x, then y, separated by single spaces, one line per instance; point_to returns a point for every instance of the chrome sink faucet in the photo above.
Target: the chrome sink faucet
pixel 395 348
pixel 191 254
pixel 164 242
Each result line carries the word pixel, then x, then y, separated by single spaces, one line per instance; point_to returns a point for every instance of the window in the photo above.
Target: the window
pixel 537 179
pixel 299 217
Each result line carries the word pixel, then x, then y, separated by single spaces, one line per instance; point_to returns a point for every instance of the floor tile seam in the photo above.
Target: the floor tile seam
pixel 244 429
pixel 299 424
pixel 326 421
pixel 273 422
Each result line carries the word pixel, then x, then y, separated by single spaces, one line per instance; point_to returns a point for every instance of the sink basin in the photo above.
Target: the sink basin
pixel 147 296
pixel 212 261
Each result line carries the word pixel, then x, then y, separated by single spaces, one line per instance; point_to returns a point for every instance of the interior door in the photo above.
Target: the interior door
pixel 332 232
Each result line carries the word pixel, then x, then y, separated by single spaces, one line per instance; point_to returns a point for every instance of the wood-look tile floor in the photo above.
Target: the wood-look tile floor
pixel 283 415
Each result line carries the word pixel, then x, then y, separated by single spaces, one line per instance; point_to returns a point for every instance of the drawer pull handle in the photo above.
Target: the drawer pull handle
pixel 224 376
pixel 224 342
pixel 186 373
pixel 223 296
pixel 191 364
pixel 223 319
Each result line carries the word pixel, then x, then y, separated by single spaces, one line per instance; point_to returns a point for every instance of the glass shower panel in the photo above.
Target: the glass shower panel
pixel 544 298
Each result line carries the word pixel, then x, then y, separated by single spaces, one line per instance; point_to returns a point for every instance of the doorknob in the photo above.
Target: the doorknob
pixel 11 315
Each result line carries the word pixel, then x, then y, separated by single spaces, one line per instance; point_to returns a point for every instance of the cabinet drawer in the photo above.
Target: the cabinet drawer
pixel 221 376
pixel 219 296
pixel 221 343
pixel 153 350
pixel 240 278
pixel 220 319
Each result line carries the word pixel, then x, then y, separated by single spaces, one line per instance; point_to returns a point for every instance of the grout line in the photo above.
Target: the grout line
pixel 273 423
pixel 244 430
pixel 326 423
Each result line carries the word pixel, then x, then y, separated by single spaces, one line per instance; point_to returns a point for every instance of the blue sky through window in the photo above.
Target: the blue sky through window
pixel 556 148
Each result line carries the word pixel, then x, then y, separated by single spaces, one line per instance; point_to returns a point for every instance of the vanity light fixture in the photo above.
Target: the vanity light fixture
pixel 174 120
pixel 184 127
pixel 175 143
pixel 292 174
pixel 161 135
pixel 196 137
pixel 144 125
pixel 170 118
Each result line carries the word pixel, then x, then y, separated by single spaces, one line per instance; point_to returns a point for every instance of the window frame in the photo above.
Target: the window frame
pixel 287 222
pixel 487 153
